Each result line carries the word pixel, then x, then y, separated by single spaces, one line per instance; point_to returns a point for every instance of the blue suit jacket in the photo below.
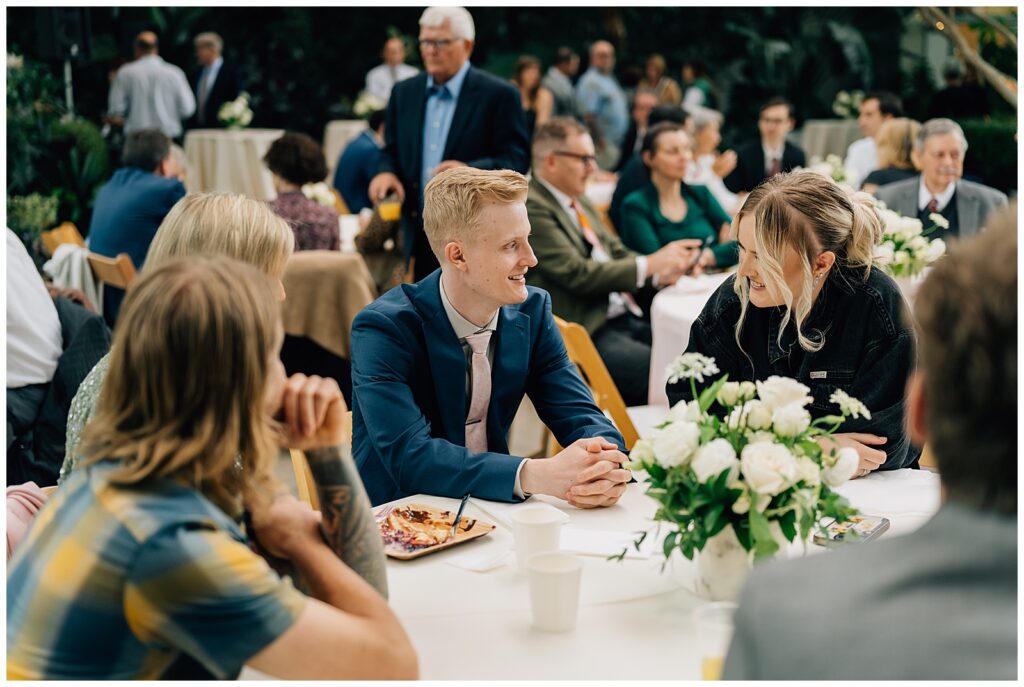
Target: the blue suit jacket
pixel 409 395
pixel 356 168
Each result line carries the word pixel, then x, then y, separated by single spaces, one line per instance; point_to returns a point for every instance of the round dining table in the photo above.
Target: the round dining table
pixel 230 160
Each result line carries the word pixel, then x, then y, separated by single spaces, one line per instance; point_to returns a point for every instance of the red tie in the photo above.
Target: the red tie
pixel 776 167
pixel 595 244
pixel 933 205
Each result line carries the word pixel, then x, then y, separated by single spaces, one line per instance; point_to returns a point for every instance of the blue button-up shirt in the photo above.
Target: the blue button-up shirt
pixel 437 121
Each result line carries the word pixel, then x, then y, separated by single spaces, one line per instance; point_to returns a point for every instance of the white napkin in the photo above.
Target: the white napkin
pixel 502 512
pixel 479 560
pixel 604 542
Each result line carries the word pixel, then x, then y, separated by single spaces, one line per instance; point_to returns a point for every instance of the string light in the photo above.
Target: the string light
pixel 940 26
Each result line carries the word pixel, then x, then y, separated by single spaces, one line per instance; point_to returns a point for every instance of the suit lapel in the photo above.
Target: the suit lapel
pixel 463 109
pixel 565 222
pixel 511 367
pixel 447 361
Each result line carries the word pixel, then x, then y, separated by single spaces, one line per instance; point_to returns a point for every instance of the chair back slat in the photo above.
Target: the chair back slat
pixel 117 271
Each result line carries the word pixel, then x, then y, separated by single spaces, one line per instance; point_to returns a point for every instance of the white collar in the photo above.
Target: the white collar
pixel 924 195
pixel 770 153
pixel 460 324
pixel 563 199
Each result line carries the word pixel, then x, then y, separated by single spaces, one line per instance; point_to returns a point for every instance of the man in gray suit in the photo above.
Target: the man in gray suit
pixel 939 603
pixel 939 151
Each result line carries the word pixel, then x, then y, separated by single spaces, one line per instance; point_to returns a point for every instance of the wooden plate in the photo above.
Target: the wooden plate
pixel 432 523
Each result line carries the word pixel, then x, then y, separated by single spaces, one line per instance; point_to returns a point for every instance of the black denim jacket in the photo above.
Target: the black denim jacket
pixel 869 352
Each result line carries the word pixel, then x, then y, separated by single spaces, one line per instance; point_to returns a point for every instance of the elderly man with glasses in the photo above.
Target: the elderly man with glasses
pixel 593 279
pixel 450 115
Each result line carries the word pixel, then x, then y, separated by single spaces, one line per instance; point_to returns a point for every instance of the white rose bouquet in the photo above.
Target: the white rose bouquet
pixel 906 249
pixel 320 192
pixel 754 466
pixel 366 104
pixel 832 167
pixel 236 114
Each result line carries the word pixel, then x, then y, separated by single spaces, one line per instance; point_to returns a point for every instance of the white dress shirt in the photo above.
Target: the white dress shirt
pixel 382 78
pixel 770 155
pixel 702 173
pixel 924 195
pixel 151 94
pixel 34 340
pixel 464 328
pixel 616 305
pixel 861 160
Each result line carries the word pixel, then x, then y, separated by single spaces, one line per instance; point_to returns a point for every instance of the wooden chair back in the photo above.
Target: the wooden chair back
pixel 927 459
pixel 585 356
pixel 65 233
pixel 117 271
pixel 304 482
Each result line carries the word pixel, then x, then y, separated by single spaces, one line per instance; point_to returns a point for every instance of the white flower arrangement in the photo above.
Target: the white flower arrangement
pixel 832 167
pixel 905 249
pixel 15 61
pixel 320 192
pixel 847 104
pixel 236 114
pixel 754 466
pixel 367 103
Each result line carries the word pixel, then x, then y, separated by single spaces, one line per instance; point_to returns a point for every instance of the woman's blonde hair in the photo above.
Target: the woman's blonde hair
pixel 184 397
pixel 453 199
pixel 812 214
pixel 224 224
pixel 895 142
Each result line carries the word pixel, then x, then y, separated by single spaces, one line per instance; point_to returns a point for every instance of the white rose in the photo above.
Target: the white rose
pixel 729 394
pixel 747 390
pixel 781 391
pixel 807 471
pixel 675 444
pixel 843 467
pixel 760 436
pixel 712 458
pixel 768 468
pixel 900 257
pixel 742 504
pixel 918 243
pixel 759 414
pixel 642 452
pixel 910 227
pixel 790 420
pixel 685 412
pixel 884 253
pixel 936 249
pixel 938 220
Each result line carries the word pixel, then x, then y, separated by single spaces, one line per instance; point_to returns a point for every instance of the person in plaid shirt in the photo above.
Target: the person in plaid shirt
pixel 137 569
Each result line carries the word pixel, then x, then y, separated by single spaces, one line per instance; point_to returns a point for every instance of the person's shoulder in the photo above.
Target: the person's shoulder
pixel 722 301
pixel 881 296
pixel 987 192
pixel 898 188
pixel 410 85
pixel 860 146
pixel 639 199
pixel 488 82
pixel 748 147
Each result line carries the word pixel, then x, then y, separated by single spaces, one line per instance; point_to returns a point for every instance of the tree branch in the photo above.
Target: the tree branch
pixel 1005 85
pixel 999 28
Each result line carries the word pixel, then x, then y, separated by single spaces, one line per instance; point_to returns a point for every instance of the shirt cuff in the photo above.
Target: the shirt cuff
pixel 517 488
pixel 641 271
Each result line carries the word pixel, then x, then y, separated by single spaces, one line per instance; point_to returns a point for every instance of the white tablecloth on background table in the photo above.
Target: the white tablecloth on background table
pixel 673 312
pixel 476 625
pixel 337 134
pixel 822 137
pixel 231 160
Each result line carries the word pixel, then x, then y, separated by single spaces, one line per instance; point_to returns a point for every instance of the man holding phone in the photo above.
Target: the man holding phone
pixel 592 277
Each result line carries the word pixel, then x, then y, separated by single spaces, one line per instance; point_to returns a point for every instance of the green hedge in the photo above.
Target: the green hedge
pixel 992 152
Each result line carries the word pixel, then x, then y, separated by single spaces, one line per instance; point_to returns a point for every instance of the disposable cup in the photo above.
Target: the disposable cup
pixel 536 530
pixel 554 579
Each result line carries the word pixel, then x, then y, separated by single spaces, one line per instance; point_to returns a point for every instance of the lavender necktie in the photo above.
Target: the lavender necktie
pixel 476 418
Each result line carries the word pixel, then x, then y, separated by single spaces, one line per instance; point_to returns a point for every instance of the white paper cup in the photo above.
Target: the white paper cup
pixel 714 631
pixel 554 590
pixel 536 530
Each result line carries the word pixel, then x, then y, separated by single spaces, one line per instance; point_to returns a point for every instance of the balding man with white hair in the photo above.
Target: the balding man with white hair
pixel 214 83
pixel 602 103
pixel 450 115
pixel 939 151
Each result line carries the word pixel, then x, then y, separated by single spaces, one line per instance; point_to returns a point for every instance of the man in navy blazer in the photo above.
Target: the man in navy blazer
pixel 440 367
pixel 449 115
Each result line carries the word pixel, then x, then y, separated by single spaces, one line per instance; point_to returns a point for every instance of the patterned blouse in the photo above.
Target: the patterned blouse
pixel 315 225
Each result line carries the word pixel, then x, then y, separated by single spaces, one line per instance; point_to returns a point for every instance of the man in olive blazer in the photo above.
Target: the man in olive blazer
pixel 592 277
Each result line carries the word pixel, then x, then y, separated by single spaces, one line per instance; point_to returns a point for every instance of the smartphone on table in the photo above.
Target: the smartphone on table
pixel 860 528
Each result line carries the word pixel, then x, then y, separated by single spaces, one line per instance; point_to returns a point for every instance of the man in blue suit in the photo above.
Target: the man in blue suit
pixel 450 115
pixel 440 367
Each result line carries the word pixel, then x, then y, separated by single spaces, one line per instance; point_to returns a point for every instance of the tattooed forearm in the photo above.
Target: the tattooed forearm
pixel 347 517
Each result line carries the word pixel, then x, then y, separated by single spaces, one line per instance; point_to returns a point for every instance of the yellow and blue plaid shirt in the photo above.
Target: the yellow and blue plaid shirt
pixel 120 582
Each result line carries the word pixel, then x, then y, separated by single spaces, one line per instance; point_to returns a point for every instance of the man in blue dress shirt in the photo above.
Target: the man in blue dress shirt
pixel 450 115
pixel 358 165
pixel 131 206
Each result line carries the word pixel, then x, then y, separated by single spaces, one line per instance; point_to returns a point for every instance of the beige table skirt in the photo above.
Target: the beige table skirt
pixel 226 160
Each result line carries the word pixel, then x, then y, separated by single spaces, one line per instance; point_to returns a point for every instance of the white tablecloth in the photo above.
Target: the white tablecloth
pixel 673 312
pixel 226 160
pixel 337 135
pixel 822 137
pixel 635 621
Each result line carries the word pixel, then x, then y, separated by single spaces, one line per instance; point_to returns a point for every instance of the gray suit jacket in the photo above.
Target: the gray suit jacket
pixel 939 603
pixel 974 202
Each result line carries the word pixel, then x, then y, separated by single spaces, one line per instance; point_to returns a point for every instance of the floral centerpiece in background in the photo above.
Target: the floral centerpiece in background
pixel 847 104
pixel 832 167
pixel 905 249
pixel 366 104
pixel 737 484
pixel 320 192
pixel 236 114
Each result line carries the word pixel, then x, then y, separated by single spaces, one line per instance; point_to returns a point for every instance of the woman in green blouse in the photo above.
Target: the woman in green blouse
pixel 666 209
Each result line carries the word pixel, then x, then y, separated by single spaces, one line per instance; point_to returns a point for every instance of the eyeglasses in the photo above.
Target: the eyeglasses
pixel 769 120
pixel 585 159
pixel 436 44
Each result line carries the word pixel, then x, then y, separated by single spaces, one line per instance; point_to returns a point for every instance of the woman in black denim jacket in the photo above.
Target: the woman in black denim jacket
pixel 820 313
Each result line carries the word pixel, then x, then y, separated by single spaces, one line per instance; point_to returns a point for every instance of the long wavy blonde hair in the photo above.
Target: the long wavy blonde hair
pixel 184 397
pixel 812 214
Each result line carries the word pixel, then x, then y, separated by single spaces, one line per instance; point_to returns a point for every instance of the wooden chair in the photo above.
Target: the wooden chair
pixel 117 271
pixel 927 459
pixel 65 233
pixel 304 482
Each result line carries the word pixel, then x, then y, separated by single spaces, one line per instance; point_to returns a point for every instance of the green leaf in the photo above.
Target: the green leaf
pixel 761 534
pixel 826 420
pixel 788 525
pixel 811 449
pixel 707 397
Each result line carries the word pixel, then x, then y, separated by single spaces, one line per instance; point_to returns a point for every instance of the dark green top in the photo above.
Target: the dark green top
pixel 645 229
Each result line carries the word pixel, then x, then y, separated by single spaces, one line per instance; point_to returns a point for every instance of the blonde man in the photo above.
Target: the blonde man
pixel 440 367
